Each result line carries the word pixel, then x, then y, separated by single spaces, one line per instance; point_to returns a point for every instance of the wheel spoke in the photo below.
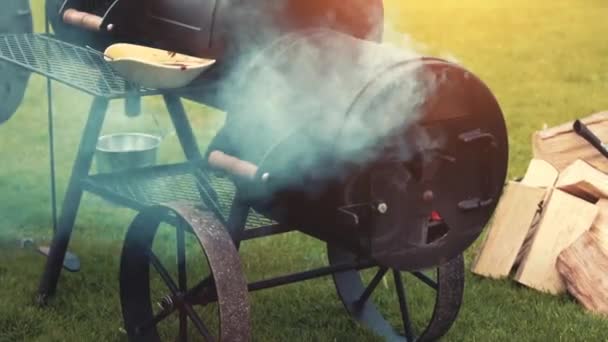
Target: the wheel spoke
pixel 181 259
pixel 208 281
pixel 164 274
pixel 187 311
pixel 426 279
pixel 198 323
pixel 372 286
pixel 195 291
pixel 154 321
pixel 183 327
pixel 405 315
pixel 182 279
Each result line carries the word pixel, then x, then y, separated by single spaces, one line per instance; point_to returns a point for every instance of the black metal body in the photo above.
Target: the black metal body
pixel 221 29
pixel 351 125
pixel 213 28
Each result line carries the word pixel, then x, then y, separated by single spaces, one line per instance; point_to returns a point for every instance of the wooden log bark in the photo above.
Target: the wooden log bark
pixel 584 268
pixel 565 219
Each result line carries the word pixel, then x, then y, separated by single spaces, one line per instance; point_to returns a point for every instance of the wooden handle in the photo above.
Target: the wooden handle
pixel 85 20
pixel 232 165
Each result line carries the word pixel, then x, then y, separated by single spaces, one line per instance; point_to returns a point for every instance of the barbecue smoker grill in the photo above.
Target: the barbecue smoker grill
pixel 396 162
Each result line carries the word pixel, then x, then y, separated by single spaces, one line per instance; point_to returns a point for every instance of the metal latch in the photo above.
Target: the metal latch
pixel 474 203
pixel 486 142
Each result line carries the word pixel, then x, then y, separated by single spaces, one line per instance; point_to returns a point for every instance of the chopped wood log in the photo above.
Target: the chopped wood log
pixel 600 226
pixel 583 180
pixel 508 229
pixel 561 146
pixel 584 268
pixel 565 218
pixel 525 247
pixel 540 174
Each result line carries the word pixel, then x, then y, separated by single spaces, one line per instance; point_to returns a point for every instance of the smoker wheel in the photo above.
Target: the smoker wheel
pixel 12 88
pixel 208 299
pixel 15 17
pixel 425 312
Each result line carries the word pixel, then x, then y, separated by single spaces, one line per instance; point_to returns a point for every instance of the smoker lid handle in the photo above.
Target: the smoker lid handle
pixel 84 20
pixel 232 165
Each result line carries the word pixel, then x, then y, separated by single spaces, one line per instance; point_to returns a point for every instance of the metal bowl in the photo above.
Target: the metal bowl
pixel 122 151
pixel 154 68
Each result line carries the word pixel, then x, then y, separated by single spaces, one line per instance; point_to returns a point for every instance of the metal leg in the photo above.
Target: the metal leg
pixel 71 202
pixel 182 127
pixel 239 212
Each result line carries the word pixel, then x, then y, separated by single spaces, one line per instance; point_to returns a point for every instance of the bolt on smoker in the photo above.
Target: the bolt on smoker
pixel 396 162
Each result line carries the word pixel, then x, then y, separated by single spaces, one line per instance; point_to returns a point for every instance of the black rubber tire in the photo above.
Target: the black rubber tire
pixel 15 17
pixel 448 299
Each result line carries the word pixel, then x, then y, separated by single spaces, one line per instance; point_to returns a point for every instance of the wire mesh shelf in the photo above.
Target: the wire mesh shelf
pixel 163 184
pixel 72 65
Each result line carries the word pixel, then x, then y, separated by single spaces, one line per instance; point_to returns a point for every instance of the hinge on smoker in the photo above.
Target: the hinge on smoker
pixel 351 214
pixel 477 135
pixel 474 203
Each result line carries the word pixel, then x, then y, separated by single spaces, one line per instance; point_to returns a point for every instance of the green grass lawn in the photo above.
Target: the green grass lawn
pixel 546 61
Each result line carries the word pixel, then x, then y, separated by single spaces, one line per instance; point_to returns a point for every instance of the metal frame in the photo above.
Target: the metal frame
pixel 80 172
pixel 236 225
pixel 71 201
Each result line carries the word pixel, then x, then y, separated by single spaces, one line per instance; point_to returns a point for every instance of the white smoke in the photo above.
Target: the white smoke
pixel 317 97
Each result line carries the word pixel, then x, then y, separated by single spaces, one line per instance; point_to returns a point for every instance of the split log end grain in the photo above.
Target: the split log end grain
pixel 583 180
pixel 540 174
pixel 584 268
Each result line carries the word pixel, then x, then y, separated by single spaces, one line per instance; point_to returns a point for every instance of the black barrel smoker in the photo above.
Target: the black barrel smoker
pixel 395 161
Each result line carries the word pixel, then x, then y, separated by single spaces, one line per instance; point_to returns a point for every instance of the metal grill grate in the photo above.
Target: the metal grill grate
pixel 163 184
pixel 75 66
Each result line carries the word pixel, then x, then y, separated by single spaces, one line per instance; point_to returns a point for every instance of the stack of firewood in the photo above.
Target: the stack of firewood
pixel 550 230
